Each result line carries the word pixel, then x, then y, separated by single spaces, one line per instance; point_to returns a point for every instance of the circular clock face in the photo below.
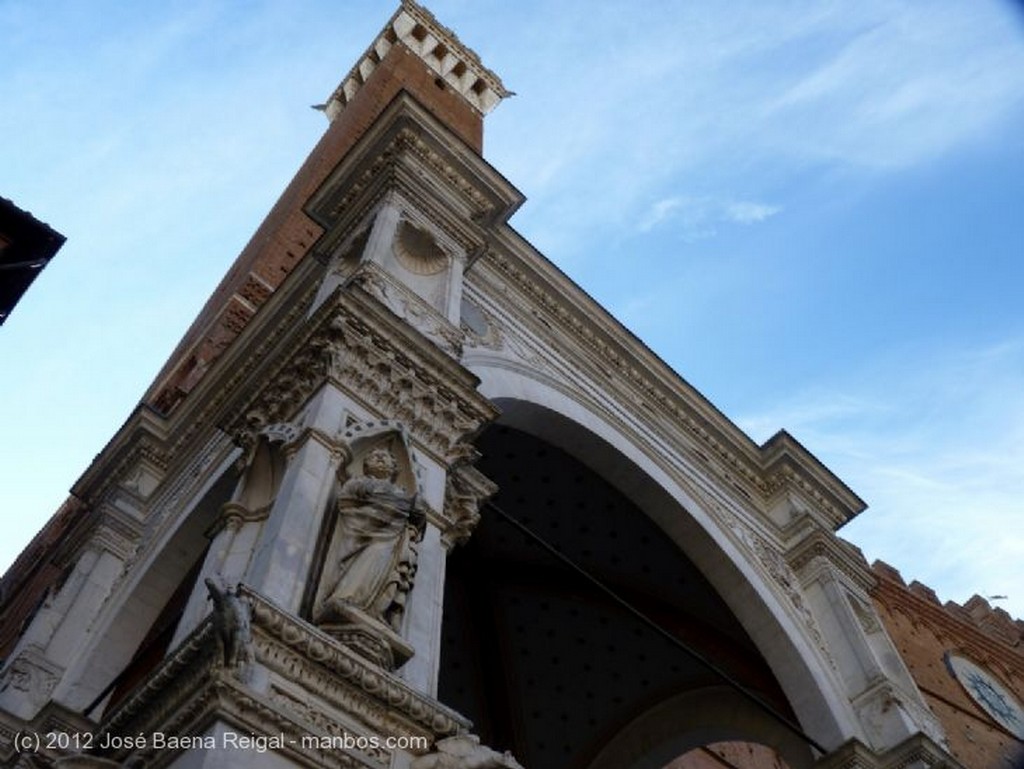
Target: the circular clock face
pixel 986 690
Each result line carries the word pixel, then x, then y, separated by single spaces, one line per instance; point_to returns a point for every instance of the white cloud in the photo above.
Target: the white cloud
pixel 749 94
pixel 745 212
pixel 699 217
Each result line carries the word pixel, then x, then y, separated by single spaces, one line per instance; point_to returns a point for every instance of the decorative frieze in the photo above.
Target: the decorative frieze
pixel 312 659
pixel 760 472
pixel 405 304
pixel 369 353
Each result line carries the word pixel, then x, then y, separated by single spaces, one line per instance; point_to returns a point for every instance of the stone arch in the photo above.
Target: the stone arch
pixel 588 432
pixel 679 724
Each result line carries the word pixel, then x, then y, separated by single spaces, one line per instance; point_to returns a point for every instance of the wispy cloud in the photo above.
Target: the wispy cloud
pixel 745 212
pixel 767 87
pixel 700 217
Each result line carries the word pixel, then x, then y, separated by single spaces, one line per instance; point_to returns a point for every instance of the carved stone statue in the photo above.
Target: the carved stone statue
pixel 232 624
pixel 375 563
pixel 464 751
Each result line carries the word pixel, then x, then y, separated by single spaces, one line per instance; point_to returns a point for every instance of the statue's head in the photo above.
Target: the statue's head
pixel 380 463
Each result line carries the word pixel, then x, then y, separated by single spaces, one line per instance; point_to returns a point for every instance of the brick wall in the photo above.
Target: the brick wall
pixel 924 630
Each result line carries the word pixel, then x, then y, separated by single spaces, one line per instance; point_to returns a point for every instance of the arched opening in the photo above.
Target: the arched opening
pixel 549 667
pixel 737 754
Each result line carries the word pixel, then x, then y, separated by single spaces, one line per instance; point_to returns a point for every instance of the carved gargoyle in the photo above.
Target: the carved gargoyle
pixel 232 625
pixel 464 751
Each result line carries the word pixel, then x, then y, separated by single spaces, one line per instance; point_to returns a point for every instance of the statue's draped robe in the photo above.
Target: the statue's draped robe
pixel 376 542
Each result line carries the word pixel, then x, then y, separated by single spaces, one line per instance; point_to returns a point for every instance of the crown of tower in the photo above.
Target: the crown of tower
pixel 438 47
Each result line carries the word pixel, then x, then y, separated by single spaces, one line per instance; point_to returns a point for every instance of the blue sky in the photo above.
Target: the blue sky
pixel 812 211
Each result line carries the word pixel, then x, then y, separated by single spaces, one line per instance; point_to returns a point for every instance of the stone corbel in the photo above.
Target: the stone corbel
pixel 466 489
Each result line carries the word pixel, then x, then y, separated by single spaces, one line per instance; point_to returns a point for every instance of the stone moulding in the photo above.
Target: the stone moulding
pixel 191 688
pixel 358 344
pixel 318 653
pixel 917 752
pixel 655 392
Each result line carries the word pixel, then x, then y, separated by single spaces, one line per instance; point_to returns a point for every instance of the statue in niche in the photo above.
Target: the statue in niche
pixel 374 562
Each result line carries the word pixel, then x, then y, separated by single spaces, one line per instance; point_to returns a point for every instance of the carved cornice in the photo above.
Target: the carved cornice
pixel 409 153
pixel 837 552
pixel 252 360
pixel 381 362
pixel 321 660
pixel 174 694
pixel 191 688
pixel 615 362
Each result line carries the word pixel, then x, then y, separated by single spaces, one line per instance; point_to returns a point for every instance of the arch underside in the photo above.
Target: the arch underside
pixel 553 670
